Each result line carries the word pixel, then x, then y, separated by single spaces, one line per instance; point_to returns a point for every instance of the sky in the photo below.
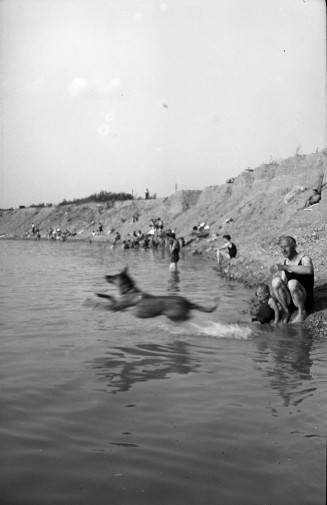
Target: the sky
pixel 124 95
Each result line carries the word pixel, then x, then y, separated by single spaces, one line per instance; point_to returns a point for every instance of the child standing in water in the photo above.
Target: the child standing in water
pixel 174 248
pixel 268 309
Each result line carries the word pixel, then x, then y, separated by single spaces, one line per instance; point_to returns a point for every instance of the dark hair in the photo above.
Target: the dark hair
pixel 227 236
pixel 264 287
pixel 290 240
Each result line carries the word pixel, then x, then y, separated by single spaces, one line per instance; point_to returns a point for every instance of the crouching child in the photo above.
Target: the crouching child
pixel 267 311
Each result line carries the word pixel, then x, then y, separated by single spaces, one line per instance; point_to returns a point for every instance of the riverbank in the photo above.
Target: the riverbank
pixel 258 207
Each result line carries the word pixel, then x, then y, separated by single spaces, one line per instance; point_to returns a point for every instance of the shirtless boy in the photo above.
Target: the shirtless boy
pixel 294 286
pixel 268 311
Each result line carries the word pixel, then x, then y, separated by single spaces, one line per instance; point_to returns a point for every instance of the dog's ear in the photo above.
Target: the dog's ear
pixel 125 270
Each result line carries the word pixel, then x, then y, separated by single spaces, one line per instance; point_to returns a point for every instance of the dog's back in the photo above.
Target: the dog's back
pixel 176 308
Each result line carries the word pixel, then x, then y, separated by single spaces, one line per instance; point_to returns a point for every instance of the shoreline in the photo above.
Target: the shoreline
pixel 255 209
pixel 250 273
pixel 246 269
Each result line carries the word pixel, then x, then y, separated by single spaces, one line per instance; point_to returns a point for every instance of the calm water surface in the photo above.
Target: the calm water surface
pixel 100 407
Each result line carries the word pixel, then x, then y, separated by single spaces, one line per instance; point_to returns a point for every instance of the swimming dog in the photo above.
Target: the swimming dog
pixel 176 308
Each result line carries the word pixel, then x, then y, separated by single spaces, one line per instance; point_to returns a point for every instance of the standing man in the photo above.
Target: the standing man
pixel 294 286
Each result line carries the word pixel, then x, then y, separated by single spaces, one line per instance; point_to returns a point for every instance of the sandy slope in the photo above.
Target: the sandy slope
pixel 254 205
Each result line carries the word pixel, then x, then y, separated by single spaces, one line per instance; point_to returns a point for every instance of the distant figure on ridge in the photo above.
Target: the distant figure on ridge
pixel 313 199
pixel 316 197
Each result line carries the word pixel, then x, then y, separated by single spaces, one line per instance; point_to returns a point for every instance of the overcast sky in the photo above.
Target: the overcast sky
pixel 120 95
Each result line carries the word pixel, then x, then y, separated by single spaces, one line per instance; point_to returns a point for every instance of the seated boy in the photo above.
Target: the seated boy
pixel 268 309
pixel 228 250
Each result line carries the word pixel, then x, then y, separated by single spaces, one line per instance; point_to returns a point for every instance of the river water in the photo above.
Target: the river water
pixel 100 407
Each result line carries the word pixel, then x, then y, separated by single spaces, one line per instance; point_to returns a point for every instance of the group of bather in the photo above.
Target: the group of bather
pixel 58 234
pixel 52 233
pixel 155 237
pixel 292 283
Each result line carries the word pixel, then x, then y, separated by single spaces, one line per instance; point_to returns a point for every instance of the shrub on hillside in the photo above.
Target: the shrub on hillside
pixel 37 205
pixel 102 197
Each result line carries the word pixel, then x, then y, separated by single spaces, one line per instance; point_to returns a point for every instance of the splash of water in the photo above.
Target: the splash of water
pixel 217 330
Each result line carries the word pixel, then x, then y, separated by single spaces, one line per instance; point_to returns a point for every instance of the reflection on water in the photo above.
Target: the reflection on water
pixel 124 366
pixel 289 363
pixel 173 282
pixel 203 408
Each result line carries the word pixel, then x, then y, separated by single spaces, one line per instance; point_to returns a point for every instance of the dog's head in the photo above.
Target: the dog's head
pixel 122 281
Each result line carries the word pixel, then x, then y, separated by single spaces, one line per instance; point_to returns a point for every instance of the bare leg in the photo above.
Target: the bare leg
pixel 298 294
pixel 173 267
pixel 282 293
pixel 221 255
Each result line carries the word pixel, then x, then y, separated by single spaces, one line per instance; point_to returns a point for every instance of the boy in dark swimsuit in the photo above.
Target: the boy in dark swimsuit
pixel 231 249
pixel 268 309
pixel 294 286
